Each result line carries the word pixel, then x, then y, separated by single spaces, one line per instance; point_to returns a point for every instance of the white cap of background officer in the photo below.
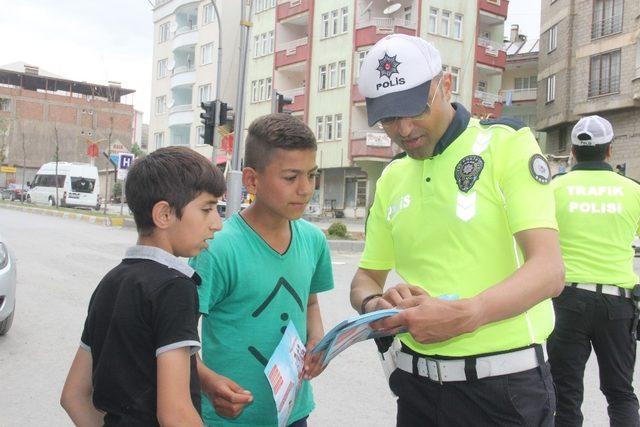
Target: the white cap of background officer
pixel 590 131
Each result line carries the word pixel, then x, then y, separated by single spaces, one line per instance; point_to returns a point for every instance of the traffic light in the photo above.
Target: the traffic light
pixel 225 115
pixel 208 120
pixel 279 101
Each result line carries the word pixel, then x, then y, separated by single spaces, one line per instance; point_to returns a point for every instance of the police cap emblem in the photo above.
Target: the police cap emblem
pixel 388 65
pixel 467 171
pixel 539 169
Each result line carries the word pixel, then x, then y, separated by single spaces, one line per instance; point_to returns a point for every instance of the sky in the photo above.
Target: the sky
pixel 97 41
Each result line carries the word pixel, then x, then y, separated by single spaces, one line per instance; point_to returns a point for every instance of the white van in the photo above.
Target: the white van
pixel 78 185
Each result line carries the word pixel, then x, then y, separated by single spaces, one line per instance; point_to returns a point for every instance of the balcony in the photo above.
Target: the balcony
pixel 606 27
pixel 185 36
pixel 183 75
pixel 356 96
pixel 288 8
pixel 369 31
pixel 495 7
pixel 292 52
pixel 299 99
pixel 520 95
pixel 491 53
pixel 367 143
pixel 181 115
pixel 486 104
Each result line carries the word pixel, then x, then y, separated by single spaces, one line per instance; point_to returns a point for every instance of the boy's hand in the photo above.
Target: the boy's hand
pixel 312 361
pixel 227 397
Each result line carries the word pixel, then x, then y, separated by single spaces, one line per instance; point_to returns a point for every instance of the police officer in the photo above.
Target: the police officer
pixel 468 214
pixel 598 213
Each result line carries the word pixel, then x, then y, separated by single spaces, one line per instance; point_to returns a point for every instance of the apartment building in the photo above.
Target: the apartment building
pixel 520 81
pixel 589 63
pixel 311 51
pixel 44 116
pixel 185 56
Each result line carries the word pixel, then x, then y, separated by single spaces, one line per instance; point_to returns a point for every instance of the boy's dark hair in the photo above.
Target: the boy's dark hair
pixel 176 175
pixel 277 130
pixel 592 153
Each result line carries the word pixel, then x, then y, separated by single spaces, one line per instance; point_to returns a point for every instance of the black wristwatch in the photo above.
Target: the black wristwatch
pixel 366 300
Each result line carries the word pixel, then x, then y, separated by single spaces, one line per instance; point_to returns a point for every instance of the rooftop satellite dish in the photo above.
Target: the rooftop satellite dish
pixel 173 26
pixel 391 9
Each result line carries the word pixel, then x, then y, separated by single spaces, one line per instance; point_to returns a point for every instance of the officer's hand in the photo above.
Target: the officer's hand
pixel 227 397
pixel 398 293
pixel 431 320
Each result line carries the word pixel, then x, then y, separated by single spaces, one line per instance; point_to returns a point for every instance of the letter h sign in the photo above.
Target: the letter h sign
pixel 125 160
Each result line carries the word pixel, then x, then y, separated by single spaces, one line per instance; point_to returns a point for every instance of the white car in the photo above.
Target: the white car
pixel 7 287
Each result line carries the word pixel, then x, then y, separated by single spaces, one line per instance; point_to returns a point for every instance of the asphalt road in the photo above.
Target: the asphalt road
pixel 60 261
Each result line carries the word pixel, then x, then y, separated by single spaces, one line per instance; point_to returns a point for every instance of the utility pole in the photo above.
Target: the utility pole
pixel 216 137
pixel 234 180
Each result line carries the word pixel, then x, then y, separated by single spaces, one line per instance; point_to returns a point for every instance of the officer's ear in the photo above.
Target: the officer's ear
pixel 446 86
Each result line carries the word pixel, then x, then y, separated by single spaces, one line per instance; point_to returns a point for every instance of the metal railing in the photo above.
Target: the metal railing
pixel 520 94
pixel 606 26
pixel 604 86
pixel 383 23
pixel 491 47
pixel 186 29
pixel 183 69
pixel 487 98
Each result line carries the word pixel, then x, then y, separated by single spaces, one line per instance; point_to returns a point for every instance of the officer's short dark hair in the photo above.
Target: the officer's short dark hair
pixel 277 130
pixel 176 175
pixel 591 153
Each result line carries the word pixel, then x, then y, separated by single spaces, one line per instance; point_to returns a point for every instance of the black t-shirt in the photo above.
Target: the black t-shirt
pixel 139 310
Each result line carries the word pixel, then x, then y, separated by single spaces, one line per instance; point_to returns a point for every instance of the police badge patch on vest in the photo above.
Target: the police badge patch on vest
pixel 539 169
pixel 467 171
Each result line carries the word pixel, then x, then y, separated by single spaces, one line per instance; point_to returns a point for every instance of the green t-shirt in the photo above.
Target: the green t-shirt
pixel 598 215
pixel 249 292
pixel 449 234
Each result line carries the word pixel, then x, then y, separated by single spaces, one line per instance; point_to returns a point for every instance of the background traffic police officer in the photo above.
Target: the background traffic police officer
pixel 598 214
pixel 468 211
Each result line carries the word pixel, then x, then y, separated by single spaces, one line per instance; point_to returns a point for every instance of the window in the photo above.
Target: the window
pixel 355 191
pixel 334 22
pixel 158 138
pixel 328 129
pixel 256 46
pixel 261 92
pixel 5 104
pixel 325 25
pixel 162 68
pixel 333 80
pixel 207 13
pixel 551 88
pixel 270 42
pixel 553 38
pixel 604 75
pixel 262 5
pixel 206 54
pixel 433 20
pixel 268 88
pixel 264 41
pixel 163 32
pixel 338 123
pixel 322 78
pixel 407 14
pixel 455 79
pixel 360 55
pixel 319 128
pixel 607 18
pixel 200 133
pixel 344 17
pixel 342 73
pixel 204 93
pixel 530 82
pixel 444 23
pixel 161 103
pixel 457 26
pixel 254 91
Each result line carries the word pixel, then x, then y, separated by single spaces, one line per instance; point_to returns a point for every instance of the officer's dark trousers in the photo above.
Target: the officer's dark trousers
pixel 522 399
pixel 583 319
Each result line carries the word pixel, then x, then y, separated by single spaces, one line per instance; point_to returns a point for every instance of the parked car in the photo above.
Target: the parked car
pixel 14 192
pixel 7 287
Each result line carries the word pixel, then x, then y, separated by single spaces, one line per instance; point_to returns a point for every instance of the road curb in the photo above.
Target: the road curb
pixel 91 219
pixel 346 245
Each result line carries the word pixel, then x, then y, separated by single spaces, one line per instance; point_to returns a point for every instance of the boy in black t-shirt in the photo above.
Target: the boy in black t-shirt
pixel 136 362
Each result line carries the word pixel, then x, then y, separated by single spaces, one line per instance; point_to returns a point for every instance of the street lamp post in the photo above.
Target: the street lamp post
pixel 234 180
pixel 216 119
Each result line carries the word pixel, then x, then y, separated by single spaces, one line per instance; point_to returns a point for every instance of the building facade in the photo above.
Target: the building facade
pixel 311 52
pixel 44 117
pixel 185 57
pixel 589 63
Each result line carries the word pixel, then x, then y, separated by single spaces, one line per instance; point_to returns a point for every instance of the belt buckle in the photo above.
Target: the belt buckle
pixel 438 369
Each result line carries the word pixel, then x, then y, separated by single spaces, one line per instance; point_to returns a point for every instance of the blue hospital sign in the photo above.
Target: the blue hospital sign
pixel 125 160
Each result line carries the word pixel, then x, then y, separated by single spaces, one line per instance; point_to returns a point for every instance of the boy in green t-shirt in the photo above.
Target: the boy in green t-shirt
pixel 263 270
